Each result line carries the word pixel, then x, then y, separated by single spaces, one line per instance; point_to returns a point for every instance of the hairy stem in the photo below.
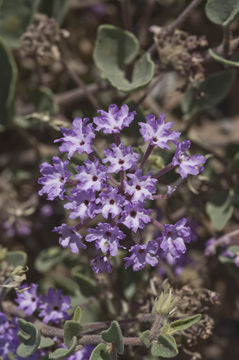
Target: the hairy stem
pixel 164 170
pixel 226 41
pixel 183 16
pixel 146 155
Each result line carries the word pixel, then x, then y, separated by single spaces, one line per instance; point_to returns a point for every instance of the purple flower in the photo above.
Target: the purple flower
pixel 140 187
pixel 4 324
pixel 101 264
pixel 54 178
pixel 106 238
pixel 174 237
pixel 135 216
pixel 54 306
pixel 114 120
pixel 83 354
pixel 78 139
pixel 82 204
pixel 91 176
pixel 27 299
pixel 187 164
pixel 120 157
pixel 111 202
pixel 142 255
pixel 69 238
pixel 157 132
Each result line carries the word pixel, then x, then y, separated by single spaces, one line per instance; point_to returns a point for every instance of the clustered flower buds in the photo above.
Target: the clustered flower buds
pixel 117 188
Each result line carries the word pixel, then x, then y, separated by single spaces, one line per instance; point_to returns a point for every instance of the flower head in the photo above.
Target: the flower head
pixel 142 255
pixel 114 120
pixel 158 132
pixel 174 237
pixel 120 157
pixel 69 238
pixel 54 306
pixel 187 164
pixel 54 178
pixel 79 139
pixel 27 299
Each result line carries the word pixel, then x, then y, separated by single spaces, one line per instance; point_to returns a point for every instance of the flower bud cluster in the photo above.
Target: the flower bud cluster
pixel 117 188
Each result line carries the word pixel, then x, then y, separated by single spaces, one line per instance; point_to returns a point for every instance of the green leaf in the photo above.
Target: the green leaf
pixel 165 348
pixel 88 287
pixel 116 48
pixel 44 101
pixel 114 335
pixel 214 89
pixel 144 337
pixel 29 336
pixel 14 21
pixel 61 354
pixel 16 258
pixel 222 60
pixel 48 258
pixel 8 76
pixel 183 324
pixel 71 329
pixel 222 12
pixel 220 209
pixel 77 314
pixel 56 8
pixel 100 353
pixel 46 342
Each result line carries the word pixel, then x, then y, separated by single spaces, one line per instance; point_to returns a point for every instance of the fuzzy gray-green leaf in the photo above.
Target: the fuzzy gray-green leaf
pixel 114 335
pixel 183 324
pixel 8 76
pixel 61 353
pixel 220 209
pixel 116 48
pixel 214 89
pixel 30 338
pixel 222 12
pixel 71 329
pixel 100 353
pixel 165 348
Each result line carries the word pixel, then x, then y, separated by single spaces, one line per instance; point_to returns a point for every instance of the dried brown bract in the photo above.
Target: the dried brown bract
pixel 181 52
pixel 42 39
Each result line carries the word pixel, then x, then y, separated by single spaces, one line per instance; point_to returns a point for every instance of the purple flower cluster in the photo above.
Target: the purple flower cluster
pixel 117 188
pixel 51 308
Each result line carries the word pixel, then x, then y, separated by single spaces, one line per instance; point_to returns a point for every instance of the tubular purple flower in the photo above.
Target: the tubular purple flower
pixel 91 176
pixel 140 187
pixel 187 164
pixel 135 216
pixel 69 238
pixel 53 306
pixel 54 178
pixel 106 238
pixel 120 157
pixel 174 237
pixel 158 132
pixel 27 299
pixel 79 139
pixel 82 204
pixel 110 202
pixel 101 264
pixel 142 255
pixel 113 121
